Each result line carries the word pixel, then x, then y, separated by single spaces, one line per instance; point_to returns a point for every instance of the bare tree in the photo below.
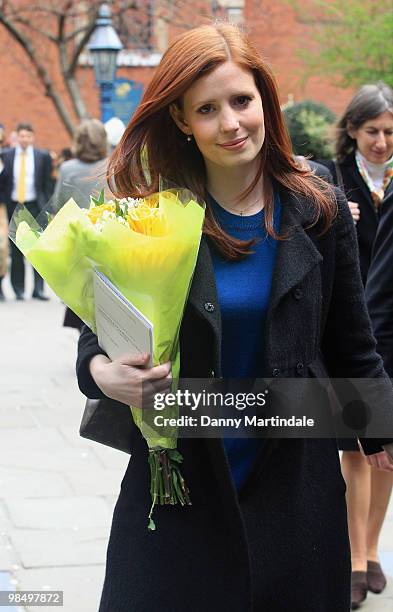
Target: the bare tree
pixel 54 33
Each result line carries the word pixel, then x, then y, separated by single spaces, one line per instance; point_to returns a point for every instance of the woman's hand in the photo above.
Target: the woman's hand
pixel 355 211
pixel 382 461
pixel 128 380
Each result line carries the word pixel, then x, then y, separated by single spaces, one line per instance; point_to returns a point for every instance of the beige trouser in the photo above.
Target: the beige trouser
pixel 3 240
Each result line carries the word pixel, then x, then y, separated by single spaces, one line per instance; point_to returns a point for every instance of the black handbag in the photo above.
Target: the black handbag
pixel 108 422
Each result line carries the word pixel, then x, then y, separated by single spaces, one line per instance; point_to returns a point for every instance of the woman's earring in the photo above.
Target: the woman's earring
pixel 189 138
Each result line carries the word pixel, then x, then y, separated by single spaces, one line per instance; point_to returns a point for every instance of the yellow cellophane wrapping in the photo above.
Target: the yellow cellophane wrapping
pixel 151 262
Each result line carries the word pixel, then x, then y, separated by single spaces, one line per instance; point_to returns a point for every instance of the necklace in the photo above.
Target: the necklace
pixel 240 212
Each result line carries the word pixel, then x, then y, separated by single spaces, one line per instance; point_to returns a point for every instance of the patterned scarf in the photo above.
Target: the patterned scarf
pixel 376 194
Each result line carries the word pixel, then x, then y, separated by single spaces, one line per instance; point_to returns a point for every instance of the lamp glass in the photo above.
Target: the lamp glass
pixel 104 61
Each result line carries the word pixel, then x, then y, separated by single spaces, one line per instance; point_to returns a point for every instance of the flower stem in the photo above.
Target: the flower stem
pixel 167 485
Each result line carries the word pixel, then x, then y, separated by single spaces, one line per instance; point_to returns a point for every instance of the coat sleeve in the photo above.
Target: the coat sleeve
pixel 87 348
pixel 348 343
pixel 379 290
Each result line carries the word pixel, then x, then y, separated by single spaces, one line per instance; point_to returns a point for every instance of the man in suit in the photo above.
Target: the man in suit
pixel 26 180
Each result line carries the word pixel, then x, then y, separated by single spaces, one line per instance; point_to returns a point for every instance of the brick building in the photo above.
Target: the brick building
pixel 272 24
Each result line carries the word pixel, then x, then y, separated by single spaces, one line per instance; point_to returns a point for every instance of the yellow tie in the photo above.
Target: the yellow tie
pixel 21 187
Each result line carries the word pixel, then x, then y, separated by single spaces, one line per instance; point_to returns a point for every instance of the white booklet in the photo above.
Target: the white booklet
pixel 121 327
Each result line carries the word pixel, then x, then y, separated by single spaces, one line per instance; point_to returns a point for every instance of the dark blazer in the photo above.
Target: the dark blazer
pixel 356 190
pixel 379 286
pixel 42 177
pixel 280 543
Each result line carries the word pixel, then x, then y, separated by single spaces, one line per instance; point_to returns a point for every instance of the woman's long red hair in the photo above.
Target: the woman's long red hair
pixel 153 146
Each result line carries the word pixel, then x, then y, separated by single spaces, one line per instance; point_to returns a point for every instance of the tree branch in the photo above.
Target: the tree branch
pixel 68 77
pixel 41 71
pixel 31 26
pixel 83 42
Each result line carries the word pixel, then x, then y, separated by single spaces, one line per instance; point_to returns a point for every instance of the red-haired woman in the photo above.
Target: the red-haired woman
pixel 276 293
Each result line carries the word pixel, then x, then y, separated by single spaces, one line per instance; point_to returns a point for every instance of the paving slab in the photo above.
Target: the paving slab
pixel 7 556
pixel 66 547
pixel 110 457
pixel 12 416
pixel 82 483
pixel 81 585
pixel 25 438
pixel 53 461
pixel 58 513
pixel 69 415
pixel 33 483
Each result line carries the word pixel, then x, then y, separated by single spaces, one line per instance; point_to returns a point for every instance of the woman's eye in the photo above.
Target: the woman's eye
pixel 243 100
pixel 205 109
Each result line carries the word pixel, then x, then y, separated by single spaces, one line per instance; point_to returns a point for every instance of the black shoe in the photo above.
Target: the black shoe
pixel 358 589
pixel 19 295
pixel 376 579
pixel 38 295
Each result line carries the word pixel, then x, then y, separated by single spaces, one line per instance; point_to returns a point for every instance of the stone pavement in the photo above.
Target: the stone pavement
pixel 57 490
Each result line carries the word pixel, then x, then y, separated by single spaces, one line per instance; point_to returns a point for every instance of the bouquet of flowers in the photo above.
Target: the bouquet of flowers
pixel 148 249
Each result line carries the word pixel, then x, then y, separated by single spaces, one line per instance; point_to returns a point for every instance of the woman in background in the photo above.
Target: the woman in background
pixel 85 173
pixel 363 167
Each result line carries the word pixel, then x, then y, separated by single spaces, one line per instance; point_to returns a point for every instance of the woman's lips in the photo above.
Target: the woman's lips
pixel 379 153
pixel 234 144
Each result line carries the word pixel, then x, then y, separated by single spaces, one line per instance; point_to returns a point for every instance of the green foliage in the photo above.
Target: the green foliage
pixel 308 125
pixel 100 200
pixel 354 40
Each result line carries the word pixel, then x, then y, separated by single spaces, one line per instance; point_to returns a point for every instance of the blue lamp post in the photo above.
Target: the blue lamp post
pixel 104 45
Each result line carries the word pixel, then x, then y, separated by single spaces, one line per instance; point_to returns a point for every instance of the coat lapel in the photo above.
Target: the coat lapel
pixel 297 254
pixel 357 179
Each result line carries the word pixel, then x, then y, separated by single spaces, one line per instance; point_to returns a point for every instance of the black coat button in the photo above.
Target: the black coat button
pixel 209 307
pixel 276 372
pixel 300 368
pixel 298 294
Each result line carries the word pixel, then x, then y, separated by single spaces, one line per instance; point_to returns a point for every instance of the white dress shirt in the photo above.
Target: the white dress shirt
pixel 30 193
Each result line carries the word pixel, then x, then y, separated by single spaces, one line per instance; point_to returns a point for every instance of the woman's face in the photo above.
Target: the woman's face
pixel 224 114
pixel 374 138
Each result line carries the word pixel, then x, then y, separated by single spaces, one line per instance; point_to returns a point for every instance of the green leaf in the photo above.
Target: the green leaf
pixel 175 456
pixel 152 525
pixel 349 41
pixel 100 200
pixel 101 197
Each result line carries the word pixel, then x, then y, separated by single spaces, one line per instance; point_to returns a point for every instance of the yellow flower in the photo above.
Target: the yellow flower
pixel 148 220
pixel 95 214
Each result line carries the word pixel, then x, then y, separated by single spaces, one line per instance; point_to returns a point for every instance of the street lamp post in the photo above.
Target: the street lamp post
pixel 104 45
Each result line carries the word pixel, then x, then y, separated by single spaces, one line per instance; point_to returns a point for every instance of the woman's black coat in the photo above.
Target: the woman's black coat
pixel 281 543
pixel 357 191
pixel 374 231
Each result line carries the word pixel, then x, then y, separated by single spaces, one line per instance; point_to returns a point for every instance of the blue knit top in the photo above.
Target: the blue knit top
pixel 243 289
